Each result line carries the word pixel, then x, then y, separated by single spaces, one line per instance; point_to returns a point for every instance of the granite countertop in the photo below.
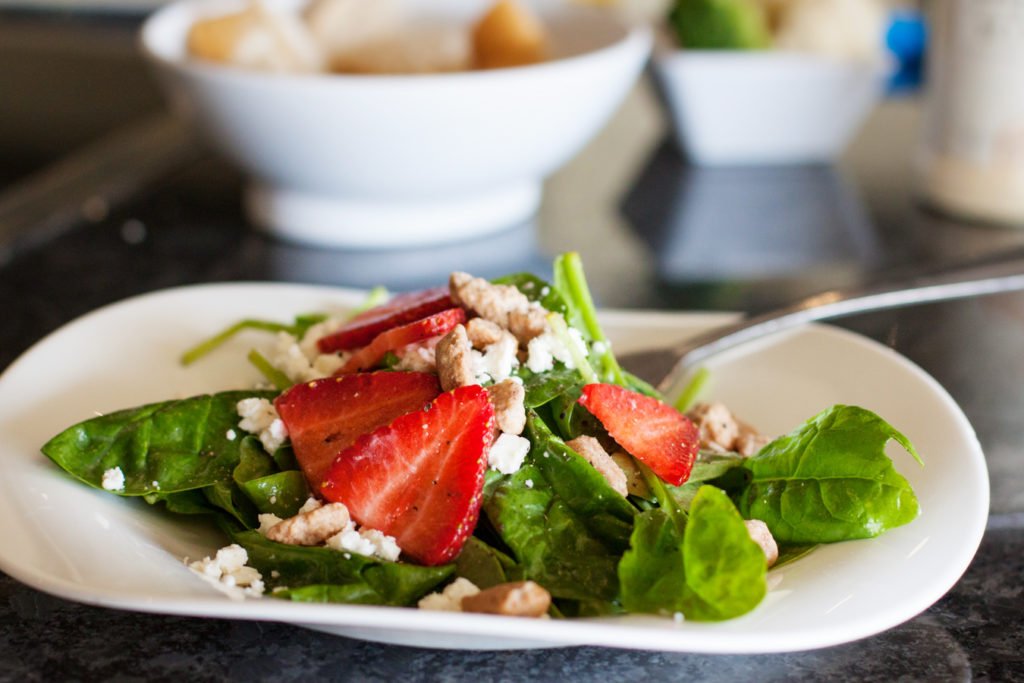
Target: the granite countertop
pixel 644 223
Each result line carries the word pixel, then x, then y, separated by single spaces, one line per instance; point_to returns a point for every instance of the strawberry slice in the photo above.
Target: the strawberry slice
pixel 402 309
pixel 421 478
pixel 654 433
pixel 326 416
pixel 433 325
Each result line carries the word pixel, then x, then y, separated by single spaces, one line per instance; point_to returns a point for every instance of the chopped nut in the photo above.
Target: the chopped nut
pixel 517 599
pixel 590 449
pixel 528 323
pixel 760 534
pixel 483 333
pixel 717 426
pixel 454 360
pixel 489 301
pixel 312 527
pixel 507 398
pixel 635 482
pixel 749 441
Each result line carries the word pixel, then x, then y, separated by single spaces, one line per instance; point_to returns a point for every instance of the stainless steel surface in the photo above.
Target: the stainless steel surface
pixel 666 367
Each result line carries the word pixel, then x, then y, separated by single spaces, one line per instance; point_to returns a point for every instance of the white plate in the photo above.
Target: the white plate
pixel 86 545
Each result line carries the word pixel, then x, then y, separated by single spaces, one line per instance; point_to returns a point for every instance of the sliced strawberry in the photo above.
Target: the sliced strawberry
pixel 326 416
pixel 402 309
pixel 370 355
pixel 421 478
pixel 654 433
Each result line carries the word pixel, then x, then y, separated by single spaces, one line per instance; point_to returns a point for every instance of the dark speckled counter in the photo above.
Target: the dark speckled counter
pixel 650 230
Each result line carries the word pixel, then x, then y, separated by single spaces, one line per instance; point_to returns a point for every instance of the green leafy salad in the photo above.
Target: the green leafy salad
pixel 477 447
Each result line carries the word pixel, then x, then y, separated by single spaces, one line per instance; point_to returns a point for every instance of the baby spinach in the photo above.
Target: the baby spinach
pixel 710 467
pixel 325 575
pixel 160 447
pixel 269 490
pixel 542 388
pixel 564 524
pixel 707 569
pixel 484 565
pixel 830 480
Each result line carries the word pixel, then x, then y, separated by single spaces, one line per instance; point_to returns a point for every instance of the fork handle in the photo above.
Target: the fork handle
pixel 956 283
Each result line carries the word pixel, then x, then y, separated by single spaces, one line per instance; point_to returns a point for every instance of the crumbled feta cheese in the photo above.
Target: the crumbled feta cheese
pixel 497 360
pixel 418 357
pixel 384 546
pixel 267 520
pixel 507 453
pixel 349 539
pixel 259 417
pixel 600 348
pixel 546 348
pixel 310 505
pixel 366 542
pixel 301 360
pixel 228 572
pixel 113 479
pixel 231 435
pixel 450 599
pixel 528 483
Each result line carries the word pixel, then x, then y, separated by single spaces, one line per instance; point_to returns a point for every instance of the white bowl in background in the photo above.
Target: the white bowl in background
pixel 765 107
pixel 376 161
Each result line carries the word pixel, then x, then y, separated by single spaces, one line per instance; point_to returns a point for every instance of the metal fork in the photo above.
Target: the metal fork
pixel 671 364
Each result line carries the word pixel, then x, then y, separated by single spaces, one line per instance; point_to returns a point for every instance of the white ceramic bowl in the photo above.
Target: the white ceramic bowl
pixel 765 107
pixel 378 161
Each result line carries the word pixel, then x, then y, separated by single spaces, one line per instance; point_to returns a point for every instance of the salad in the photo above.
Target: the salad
pixel 477 447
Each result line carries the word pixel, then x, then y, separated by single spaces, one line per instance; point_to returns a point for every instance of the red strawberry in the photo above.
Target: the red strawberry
pixel 397 337
pixel 325 416
pixel 654 433
pixel 421 478
pixel 402 309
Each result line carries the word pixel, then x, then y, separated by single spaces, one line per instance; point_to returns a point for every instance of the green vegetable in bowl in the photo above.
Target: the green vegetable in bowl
pixel 721 24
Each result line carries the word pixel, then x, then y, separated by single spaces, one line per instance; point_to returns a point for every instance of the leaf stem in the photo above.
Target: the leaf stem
pixel 273 375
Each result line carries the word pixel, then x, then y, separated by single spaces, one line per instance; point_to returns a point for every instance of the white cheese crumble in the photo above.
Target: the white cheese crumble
pixel 113 479
pixel 450 599
pixel 366 542
pixel 528 483
pixel 231 435
pixel 310 505
pixel 267 520
pixel 301 360
pixel 545 349
pixel 497 361
pixel 228 572
pixel 507 453
pixel 419 356
pixel 260 417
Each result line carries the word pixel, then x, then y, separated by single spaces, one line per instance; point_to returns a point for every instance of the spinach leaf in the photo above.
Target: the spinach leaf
pixel 257 476
pixel 226 496
pixel 565 526
pixel 327 575
pixel 710 467
pixel 830 480
pixel 709 570
pixel 182 502
pixel 160 447
pixel 542 388
pixel 485 566
pixel 281 493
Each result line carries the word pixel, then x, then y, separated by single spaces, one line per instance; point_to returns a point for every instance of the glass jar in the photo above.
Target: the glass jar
pixel 971 160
